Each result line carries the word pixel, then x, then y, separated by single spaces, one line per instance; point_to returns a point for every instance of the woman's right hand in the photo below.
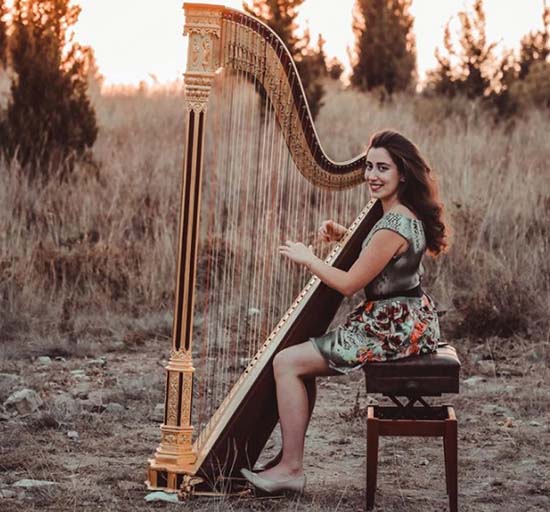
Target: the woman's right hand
pixel 331 231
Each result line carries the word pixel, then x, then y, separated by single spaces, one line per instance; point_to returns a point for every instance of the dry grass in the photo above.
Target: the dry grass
pixel 85 258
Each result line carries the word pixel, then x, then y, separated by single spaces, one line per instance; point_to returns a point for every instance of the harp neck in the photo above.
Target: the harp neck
pixel 220 37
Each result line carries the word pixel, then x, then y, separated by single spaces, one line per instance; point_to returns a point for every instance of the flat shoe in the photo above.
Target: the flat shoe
pixel 270 486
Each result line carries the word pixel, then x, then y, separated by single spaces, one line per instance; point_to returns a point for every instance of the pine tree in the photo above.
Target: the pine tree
pixel 312 68
pixel 3 35
pixel 472 70
pixel 530 85
pixel 321 56
pixel 280 16
pixel 50 121
pixel 385 47
pixel 335 69
pixel 535 46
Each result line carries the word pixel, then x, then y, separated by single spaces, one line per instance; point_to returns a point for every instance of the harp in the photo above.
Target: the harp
pixel 265 156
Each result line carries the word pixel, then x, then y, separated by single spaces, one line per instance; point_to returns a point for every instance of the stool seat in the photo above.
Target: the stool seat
pixel 426 375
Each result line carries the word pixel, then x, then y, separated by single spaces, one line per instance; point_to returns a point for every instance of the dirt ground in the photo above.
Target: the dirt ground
pixel 99 422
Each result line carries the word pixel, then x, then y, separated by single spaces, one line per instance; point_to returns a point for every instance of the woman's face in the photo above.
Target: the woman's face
pixel 381 174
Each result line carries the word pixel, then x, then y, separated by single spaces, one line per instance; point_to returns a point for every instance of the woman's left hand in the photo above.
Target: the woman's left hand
pixel 298 252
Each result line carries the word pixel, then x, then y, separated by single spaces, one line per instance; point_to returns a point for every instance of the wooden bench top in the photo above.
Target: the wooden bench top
pixel 426 375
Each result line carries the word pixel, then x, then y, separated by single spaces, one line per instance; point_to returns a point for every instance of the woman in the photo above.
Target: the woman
pixel 396 320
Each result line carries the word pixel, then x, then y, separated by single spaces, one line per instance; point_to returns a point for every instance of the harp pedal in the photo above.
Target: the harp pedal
pixel 226 487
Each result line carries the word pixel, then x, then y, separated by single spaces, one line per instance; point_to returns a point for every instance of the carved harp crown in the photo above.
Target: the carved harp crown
pixel 266 176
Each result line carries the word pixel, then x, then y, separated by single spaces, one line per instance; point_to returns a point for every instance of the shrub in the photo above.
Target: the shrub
pixel 50 122
pixel 534 89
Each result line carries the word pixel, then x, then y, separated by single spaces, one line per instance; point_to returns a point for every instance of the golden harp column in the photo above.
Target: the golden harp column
pixel 175 455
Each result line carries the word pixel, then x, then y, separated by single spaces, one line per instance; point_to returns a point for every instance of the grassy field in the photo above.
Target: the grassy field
pixel 103 244
pixel 87 269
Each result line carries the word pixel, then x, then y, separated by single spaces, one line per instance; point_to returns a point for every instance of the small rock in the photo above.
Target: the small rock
pixel 486 367
pixel 78 373
pixel 60 358
pixel 253 311
pixel 118 345
pixel 97 397
pixel 158 413
pixel 162 496
pixel 424 462
pixel 114 408
pixel 534 423
pixel 105 396
pixel 73 434
pixel 534 356
pixel 472 381
pixel 133 388
pixel 23 401
pixel 96 362
pixel 7 493
pixel 44 360
pixel 81 390
pixel 8 382
pixel 72 466
pixel 66 405
pixel 26 483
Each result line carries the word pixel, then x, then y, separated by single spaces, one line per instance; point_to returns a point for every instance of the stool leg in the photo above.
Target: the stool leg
pixel 451 460
pixel 372 456
pixel 446 463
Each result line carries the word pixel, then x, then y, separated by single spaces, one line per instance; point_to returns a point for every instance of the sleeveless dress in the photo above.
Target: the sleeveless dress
pixel 396 319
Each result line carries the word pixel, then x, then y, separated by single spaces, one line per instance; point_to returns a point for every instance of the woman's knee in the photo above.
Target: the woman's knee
pixel 283 362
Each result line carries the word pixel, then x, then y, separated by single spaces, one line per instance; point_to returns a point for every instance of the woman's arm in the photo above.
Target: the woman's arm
pixel 379 251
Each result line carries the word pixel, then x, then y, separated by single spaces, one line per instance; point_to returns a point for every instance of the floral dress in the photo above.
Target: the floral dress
pixel 397 319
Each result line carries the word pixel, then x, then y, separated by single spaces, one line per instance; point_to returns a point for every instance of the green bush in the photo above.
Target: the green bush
pixel 50 122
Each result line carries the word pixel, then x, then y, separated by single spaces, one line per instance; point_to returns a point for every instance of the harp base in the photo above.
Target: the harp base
pixel 164 477
pixel 188 485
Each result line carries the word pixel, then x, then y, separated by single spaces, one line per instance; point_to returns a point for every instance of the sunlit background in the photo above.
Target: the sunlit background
pixel 139 40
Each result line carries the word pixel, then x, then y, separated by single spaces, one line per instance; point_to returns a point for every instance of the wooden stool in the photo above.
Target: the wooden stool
pixel 414 378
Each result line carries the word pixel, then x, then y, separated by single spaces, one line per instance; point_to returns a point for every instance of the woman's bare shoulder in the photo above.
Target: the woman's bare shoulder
pixel 403 210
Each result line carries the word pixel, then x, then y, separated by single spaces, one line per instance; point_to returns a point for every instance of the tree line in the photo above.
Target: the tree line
pixel 384 56
pixel 50 123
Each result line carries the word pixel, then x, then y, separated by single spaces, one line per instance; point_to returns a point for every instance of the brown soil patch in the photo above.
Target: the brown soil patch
pixel 504 439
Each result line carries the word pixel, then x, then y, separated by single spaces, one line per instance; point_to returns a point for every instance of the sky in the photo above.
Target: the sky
pixel 140 40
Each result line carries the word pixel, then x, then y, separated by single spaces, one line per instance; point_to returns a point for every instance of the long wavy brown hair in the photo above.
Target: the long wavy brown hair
pixel 418 191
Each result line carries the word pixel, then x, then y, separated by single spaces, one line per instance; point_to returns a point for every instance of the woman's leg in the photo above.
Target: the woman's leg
pixel 311 390
pixel 295 369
